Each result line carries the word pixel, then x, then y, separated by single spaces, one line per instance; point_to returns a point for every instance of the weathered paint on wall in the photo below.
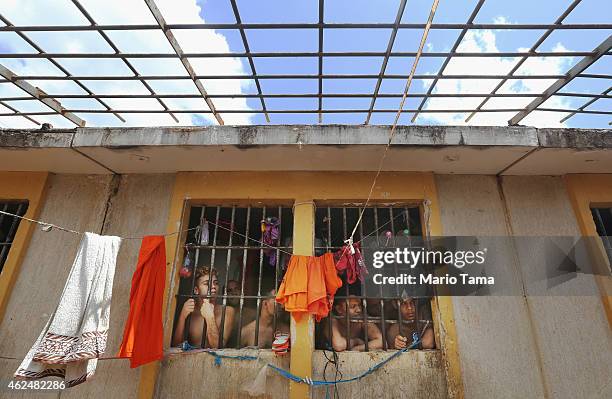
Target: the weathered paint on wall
pixel 19 186
pixel 196 376
pixel 496 346
pixel 414 374
pixel 586 191
pixel 73 201
pixel 139 207
pixel 572 333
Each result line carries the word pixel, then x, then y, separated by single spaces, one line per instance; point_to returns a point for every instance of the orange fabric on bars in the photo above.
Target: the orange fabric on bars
pixel 293 291
pixel 308 285
pixel 143 334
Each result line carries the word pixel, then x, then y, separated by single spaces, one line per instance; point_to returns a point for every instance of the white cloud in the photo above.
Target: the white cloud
pixel 484 41
pixel 30 12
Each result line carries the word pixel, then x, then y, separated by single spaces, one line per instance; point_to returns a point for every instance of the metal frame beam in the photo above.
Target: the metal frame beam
pixel 383 67
pixel 453 51
pixel 245 43
pixel 179 52
pixel 532 51
pixel 559 84
pixel 35 92
pixel 225 26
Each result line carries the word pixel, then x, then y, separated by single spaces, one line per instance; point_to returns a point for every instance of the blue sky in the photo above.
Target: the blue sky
pixel 26 12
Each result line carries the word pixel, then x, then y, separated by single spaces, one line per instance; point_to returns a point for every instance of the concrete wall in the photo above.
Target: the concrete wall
pixel 78 202
pixel 415 374
pixel 496 348
pixel 515 346
pixel 572 333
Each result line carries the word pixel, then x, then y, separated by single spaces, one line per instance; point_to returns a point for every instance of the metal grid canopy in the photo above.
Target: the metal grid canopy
pixel 10 105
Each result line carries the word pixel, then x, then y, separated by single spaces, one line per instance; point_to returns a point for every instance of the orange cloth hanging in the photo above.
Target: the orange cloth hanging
pixel 308 285
pixel 143 334
pixel 293 291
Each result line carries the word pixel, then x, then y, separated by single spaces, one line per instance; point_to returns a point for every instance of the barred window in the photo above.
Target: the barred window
pixel 228 281
pixel 9 225
pixel 603 222
pixel 360 321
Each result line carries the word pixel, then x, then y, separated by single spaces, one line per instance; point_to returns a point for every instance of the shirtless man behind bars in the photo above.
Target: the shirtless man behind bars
pixel 352 306
pixel 204 313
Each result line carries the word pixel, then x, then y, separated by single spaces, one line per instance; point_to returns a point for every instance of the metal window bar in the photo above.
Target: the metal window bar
pixel 397 292
pixel 227 270
pixel 258 306
pixel 210 275
pixel 382 302
pixel 277 265
pixel 59 66
pixel 364 301
pixel 243 276
pixel 390 221
pixel 243 216
pixel 8 227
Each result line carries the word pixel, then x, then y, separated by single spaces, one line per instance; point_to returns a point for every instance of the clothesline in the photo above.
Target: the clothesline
pixel 397 116
pixel 49 226
pixel 284 373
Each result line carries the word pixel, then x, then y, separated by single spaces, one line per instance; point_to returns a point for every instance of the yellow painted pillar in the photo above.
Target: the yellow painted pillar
pixel 30 186
pixel 302 332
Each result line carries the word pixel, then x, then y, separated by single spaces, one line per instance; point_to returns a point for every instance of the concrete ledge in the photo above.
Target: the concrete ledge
pixel 305 134
pixel 36 139
pixel 439 149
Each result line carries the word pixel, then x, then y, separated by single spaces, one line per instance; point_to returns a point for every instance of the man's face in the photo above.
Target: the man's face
pixel 233 288
pixel 354 307
pixel 202 285
pixel 408 309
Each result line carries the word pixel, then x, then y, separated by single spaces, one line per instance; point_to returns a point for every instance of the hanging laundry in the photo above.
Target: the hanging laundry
pixel 143 334
pixel 349 259
pixel 323 282
pixel 269 235
pixel 204 234
pixel 309 286
pixel 186 271
pixel 75 335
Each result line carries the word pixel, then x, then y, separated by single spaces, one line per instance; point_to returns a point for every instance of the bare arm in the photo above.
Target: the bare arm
pixel 338 340
pixel 230 314
pixel 374 337
pixel 179 331
pixel 394 339
pixel 212 330
pixel 247 335
pixel 427 341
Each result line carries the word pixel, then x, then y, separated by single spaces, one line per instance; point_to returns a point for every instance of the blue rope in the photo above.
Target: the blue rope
pixel 295 378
